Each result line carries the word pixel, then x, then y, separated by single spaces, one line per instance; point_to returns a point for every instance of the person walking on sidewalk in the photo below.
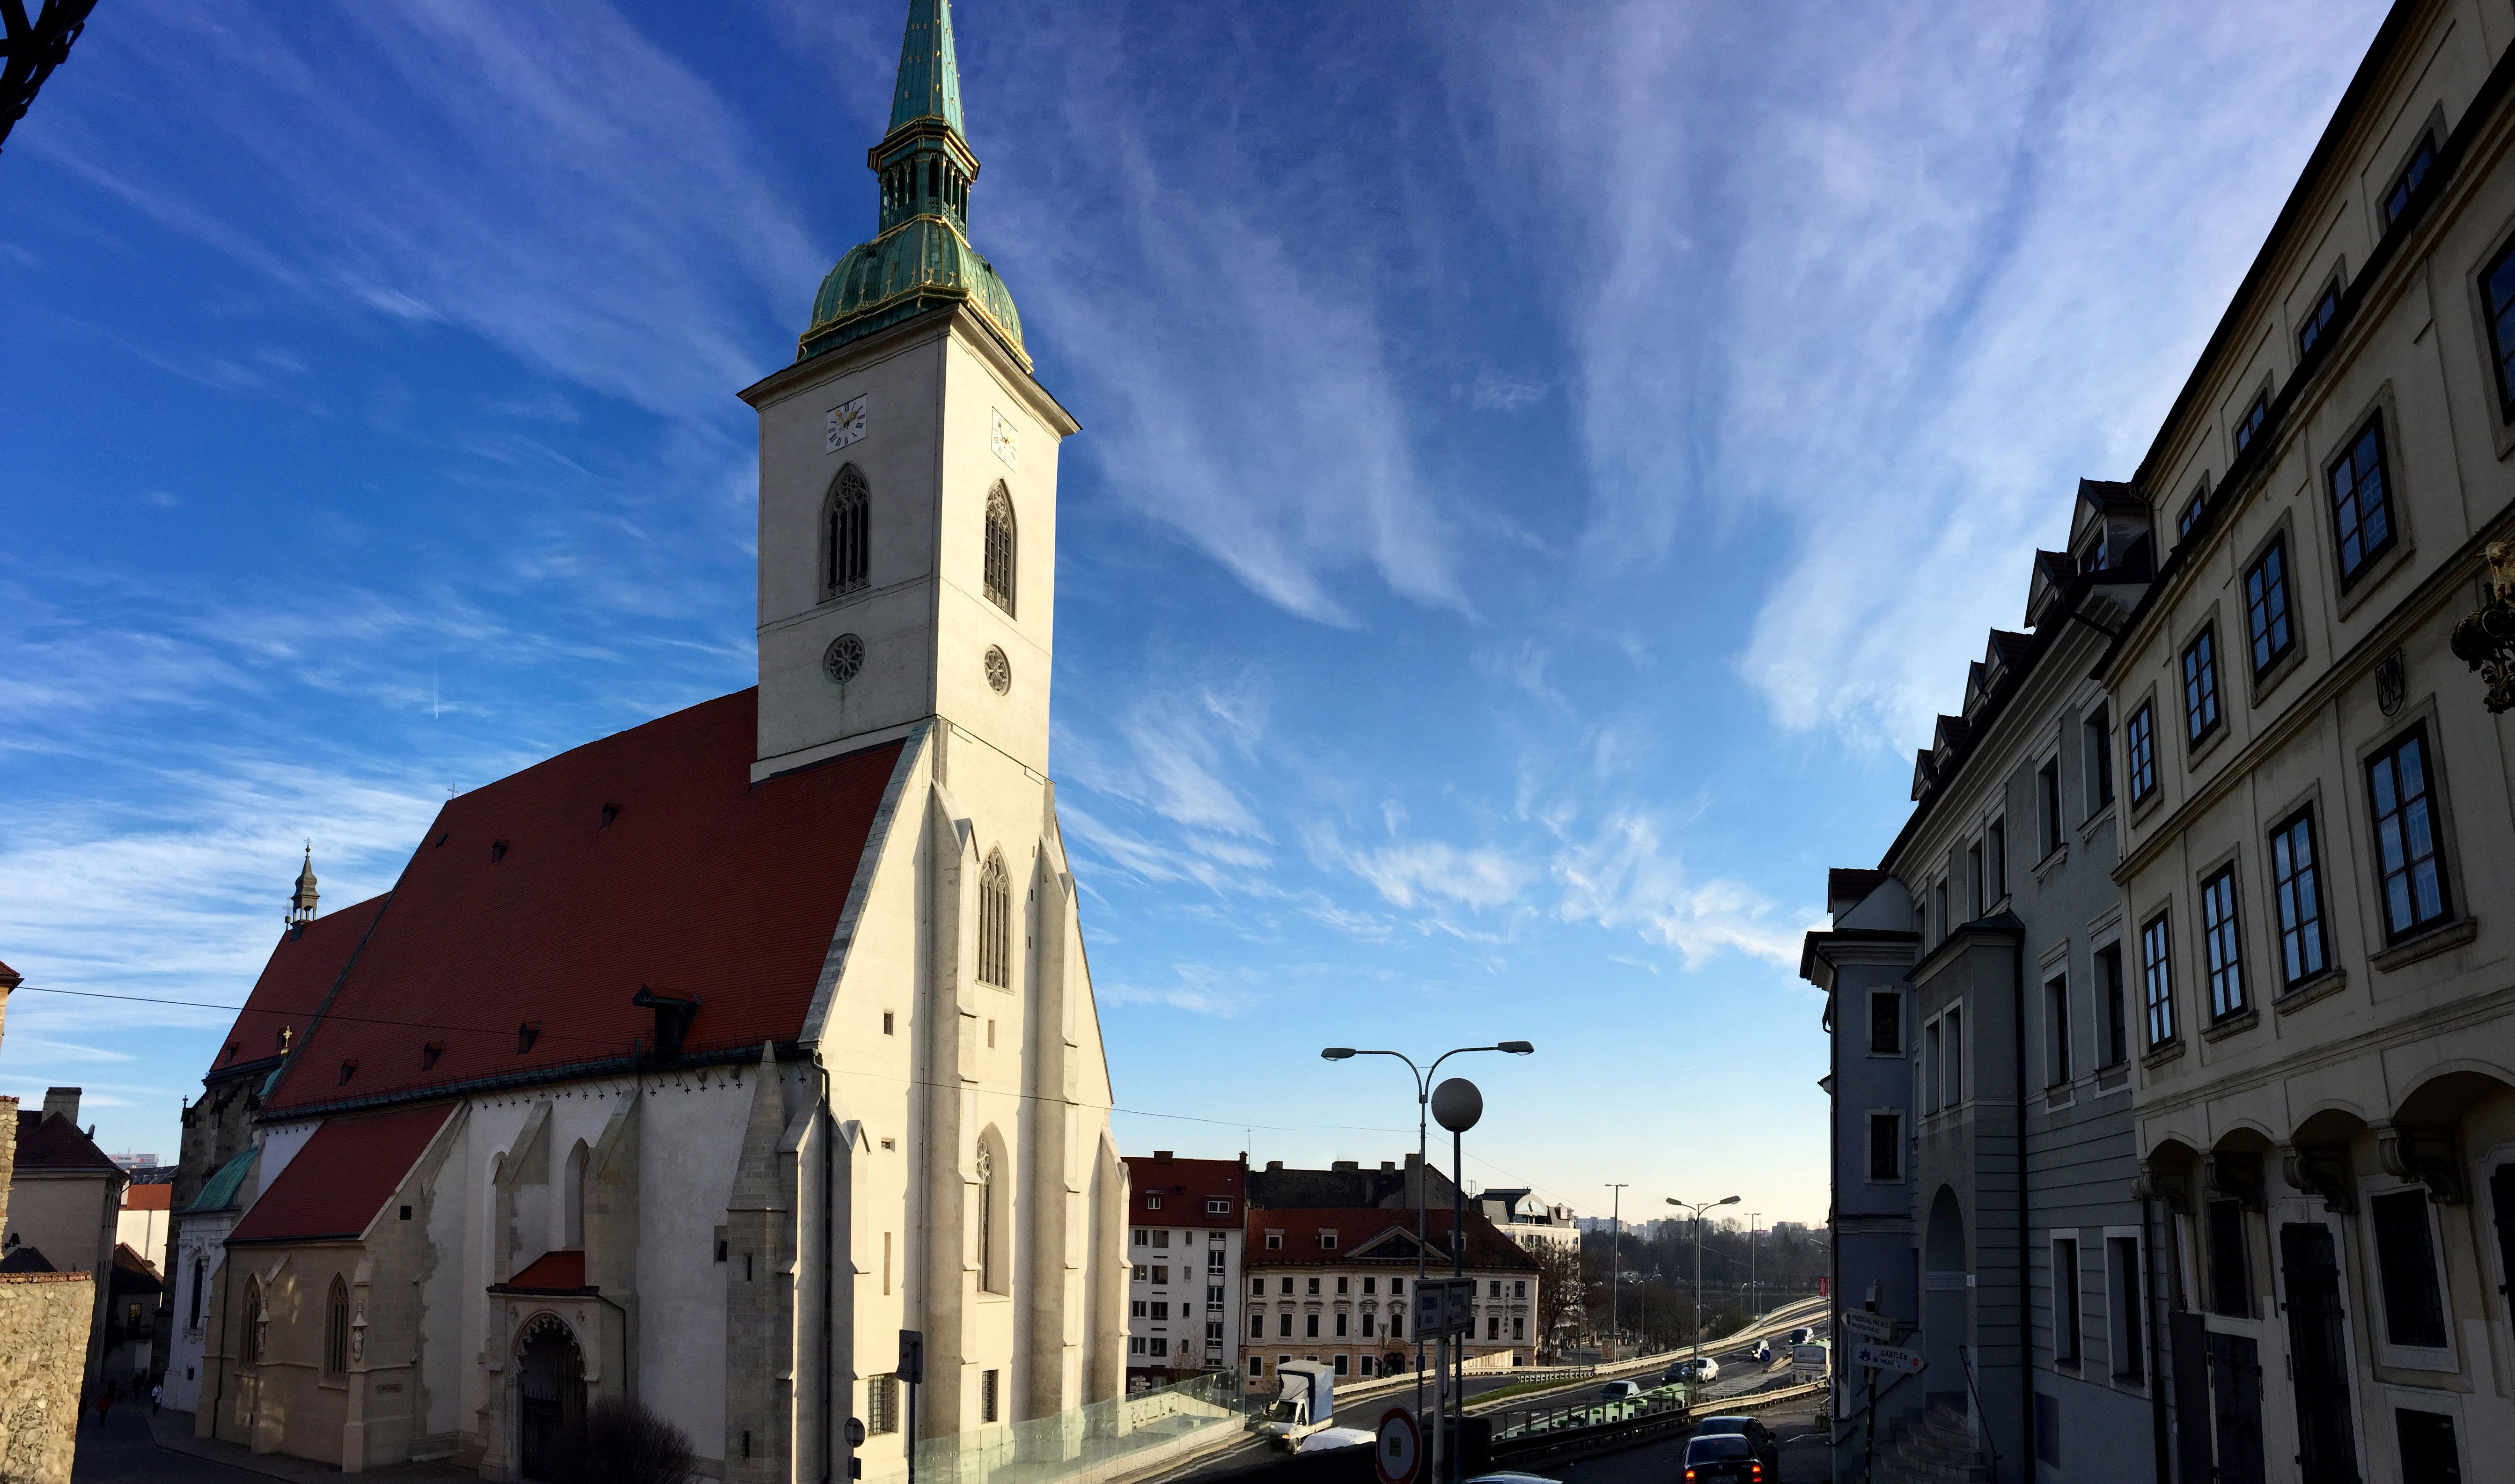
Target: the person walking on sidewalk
pixel 103 1400
pixel 156 1398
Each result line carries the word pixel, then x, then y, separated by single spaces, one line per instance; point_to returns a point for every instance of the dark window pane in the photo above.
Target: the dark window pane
pixel 2361 503
pixel 2156 982
pixel 2266 608
pixel 2317 319
pixel 2300 903
pixel 2140 738
pixel 2412 876
pixel 2220 940
pixel 2200 686
pixel 2499 285
pixel 2230 1292
pixel 2405 1257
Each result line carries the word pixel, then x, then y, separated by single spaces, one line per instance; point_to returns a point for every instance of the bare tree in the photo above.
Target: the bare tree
pixel 1562 1296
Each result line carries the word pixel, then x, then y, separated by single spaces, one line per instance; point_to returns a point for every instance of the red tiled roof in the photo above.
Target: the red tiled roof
pixel 56 1146
pixel 553 1272
pixel 301 972
pixel 151 1197
pixel 520 905
pixel 343 1177
pixel 1357 1226
pixel 1184 1186
pixel 134 1273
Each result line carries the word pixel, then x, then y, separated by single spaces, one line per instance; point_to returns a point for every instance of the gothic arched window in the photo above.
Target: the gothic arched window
pixel 846 557
pixel 1000 547
pixel 249 1344
pixel 336 1329
pixel 992 1266
pixel 996 922
pixel 200 1281
pixel 571 1195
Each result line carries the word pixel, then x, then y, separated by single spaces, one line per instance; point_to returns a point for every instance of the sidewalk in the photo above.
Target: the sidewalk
pixel 137 1448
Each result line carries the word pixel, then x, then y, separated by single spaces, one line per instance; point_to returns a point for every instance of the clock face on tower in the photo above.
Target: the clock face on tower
pixel 845 425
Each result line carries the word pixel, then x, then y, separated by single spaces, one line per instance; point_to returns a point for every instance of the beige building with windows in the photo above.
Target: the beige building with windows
pixel 2316 862
pixel 1330 1284
pixel 692 1066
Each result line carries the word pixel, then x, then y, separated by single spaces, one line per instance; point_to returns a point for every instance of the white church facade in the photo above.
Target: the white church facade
pixel 695 1064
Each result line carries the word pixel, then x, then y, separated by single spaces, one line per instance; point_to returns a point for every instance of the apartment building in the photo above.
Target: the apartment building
pixel 1528 1219
pixel 1330 1283
pixel 1184 1239
pixel 2317 853
pixel 2003 1007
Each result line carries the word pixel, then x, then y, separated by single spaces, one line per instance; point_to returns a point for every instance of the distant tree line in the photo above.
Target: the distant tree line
pixel 1655 1300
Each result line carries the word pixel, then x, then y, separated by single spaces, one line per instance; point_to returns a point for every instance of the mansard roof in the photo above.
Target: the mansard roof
pixel 334 1186
pixel 535 910
pixel 302 969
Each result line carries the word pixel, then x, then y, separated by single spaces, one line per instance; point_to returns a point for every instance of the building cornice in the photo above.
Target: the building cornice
pixel 2003 932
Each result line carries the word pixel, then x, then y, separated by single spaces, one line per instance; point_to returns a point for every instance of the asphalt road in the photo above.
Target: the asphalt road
pixel 1804 1459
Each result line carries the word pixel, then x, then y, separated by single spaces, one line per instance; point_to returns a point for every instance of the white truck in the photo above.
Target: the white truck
pixel 1304 1402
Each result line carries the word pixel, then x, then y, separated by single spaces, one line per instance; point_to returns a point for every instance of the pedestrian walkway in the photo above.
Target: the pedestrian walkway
pixel 132 1447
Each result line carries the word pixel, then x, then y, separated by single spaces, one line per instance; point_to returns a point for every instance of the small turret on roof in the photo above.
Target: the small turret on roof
pixel 301 902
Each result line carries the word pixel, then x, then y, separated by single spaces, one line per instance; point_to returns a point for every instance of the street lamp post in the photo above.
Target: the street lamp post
pixel 1423 1109
pixel 1614 1250
pixel 1698 1209
pixel 1754 1294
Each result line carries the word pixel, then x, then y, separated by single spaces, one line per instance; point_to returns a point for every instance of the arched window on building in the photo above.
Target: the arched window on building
pixel 200 1281
pixel 249 1342
pixel 1000 547
pixel 571 1195
pixel 336 1329
pixel 996 922
pixel 994 1269
pixel 845 545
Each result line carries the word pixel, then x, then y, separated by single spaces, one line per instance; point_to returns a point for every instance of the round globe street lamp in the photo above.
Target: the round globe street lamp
pixel 1698 1209
pixel 1422 1107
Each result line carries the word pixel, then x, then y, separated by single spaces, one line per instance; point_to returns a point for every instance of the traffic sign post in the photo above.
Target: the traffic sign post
pixel 1400 1447
pixel 1862 1324
pixel 1879 1357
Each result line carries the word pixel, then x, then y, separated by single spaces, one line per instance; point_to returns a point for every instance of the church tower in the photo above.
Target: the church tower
pixel 908 470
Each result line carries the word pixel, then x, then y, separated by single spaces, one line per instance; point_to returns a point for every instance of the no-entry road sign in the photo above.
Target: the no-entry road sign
pixel 1400 1446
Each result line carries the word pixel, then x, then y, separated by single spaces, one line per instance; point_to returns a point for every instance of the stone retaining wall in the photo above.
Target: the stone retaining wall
pixel 43 1352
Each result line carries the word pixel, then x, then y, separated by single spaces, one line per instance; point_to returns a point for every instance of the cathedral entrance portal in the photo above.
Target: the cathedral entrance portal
pixel 549 1382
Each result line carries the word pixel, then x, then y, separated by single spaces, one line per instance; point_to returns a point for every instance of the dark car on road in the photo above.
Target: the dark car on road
pixel 1761 1446
pixel 1723 1457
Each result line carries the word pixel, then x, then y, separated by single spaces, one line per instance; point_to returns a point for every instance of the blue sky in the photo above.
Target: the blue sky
pixel 1542 468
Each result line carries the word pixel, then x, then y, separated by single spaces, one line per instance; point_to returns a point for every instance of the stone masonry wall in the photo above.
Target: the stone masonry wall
pixel 45 1319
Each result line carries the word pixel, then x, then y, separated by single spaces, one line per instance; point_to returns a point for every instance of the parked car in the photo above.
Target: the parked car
pixel 1760 1441
pixel 1723 1457
pixel 1621 1391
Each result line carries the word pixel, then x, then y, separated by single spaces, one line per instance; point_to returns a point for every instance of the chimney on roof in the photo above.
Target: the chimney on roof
pixel 62 1102
pixel 301 902
pixel 1274 1167
pixel 1345 1165
pixel 1162 1156
pixel 1388 1164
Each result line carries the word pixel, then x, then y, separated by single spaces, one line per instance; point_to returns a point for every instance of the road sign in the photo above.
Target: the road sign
pixel 1862 1324
pixel 1400 1447
pixel 1444 1307
pixel 1886 1358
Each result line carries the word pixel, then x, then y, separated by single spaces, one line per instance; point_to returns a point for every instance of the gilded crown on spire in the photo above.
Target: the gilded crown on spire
pixel 920 258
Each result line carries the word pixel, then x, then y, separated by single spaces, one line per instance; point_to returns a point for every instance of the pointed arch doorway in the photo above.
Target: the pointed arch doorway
pixel 550 1398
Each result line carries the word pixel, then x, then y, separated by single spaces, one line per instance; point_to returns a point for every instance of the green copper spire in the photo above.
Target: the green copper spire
pixel 920 258
pixel 930 73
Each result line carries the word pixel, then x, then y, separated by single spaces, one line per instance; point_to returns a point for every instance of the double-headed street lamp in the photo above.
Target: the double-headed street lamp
pixel 1699 1210
pixel 1423 1165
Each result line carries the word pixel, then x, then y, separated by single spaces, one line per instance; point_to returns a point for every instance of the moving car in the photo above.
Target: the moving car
pixel 1762 1354
pixel 1724 1456
pixel 1621 1391
pixel 1760 1441
pixel 1704 1370
pixel 1802 1336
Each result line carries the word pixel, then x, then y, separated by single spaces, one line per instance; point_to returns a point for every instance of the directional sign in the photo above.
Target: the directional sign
pixel 1444 1307
pixel 1400 1447
pixel 1864 1325
pixel 1886 1358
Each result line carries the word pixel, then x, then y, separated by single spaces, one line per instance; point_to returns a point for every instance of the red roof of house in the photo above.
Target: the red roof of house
pixel 1358 1226
pixel 343 1177
pixel 553 1272
pixel 56 1146
pixel 301 972
pixel 1184 1189
pixel 156 1196
pixel 523 906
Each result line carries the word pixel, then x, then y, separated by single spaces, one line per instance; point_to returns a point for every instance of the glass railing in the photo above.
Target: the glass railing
pixel 1086 1440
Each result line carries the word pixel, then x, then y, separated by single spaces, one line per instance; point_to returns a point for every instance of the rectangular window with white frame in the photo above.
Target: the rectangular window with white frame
pixel 2410 1279
pixel 1885 1023
pixel 1953 1021
pixel 2114 1027
pixel 2409 858
pixel 2125 1305
pixel 1996 846
pixel 2139 746
pixel 2098 757
pixel 2065 1315
pixel 1931 1053
pixel 1885 1146
pixel 2222 943
pixel 2156 981
pixel 2056 1031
